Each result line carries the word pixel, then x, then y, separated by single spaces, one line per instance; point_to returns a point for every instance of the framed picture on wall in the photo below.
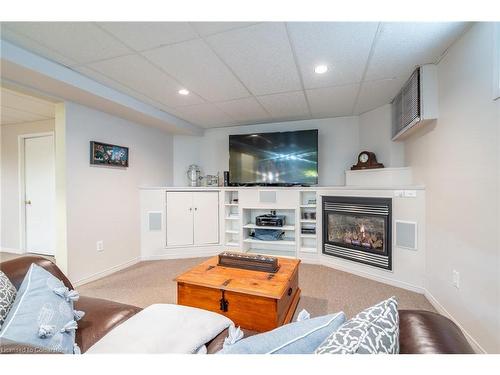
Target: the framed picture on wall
pixel 110 155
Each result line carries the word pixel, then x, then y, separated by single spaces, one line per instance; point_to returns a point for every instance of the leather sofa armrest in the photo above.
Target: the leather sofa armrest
pixel 425 332
pixel 216 344
pixel 13 347
pixel 101 316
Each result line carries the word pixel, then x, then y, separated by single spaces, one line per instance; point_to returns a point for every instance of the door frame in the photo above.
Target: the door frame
pixel 21 139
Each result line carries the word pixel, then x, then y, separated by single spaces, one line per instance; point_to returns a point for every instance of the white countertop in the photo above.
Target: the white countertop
pixel 311 188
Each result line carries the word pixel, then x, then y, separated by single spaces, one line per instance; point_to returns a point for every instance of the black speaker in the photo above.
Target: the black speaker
pixel 226 178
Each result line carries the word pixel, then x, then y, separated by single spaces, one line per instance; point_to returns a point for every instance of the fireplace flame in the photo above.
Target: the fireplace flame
pixel 362 230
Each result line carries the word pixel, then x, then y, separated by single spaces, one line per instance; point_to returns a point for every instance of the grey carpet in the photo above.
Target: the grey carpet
pixel 324 290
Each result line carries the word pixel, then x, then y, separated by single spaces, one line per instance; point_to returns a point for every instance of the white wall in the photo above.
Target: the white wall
pixel 375 135
pixel 187 151
pixel 338 147
pixel 102 203
pixel 10 211
pixel 457 159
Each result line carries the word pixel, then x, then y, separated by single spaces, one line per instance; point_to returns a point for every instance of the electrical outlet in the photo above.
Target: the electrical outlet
pixel 456 279
pixel 99 245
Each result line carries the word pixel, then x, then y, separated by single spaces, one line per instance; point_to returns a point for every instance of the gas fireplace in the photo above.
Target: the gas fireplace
pixel 358 229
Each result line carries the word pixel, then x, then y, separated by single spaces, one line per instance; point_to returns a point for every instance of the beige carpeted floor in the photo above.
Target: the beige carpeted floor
pixel 324 290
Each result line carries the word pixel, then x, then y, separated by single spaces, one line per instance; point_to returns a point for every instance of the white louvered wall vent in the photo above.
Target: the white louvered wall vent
pixel 416 103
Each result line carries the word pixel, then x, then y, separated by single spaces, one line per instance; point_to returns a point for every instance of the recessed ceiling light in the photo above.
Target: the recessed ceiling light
pixel 183 92
pixel 320 69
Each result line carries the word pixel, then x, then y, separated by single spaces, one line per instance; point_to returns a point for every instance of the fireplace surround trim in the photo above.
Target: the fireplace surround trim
pixel 359 207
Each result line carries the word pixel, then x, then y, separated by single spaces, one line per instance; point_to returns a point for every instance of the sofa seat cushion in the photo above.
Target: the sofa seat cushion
pixel 101 316
pixel 163 328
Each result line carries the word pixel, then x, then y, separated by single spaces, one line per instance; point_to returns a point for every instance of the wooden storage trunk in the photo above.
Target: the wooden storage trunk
pixel 254 300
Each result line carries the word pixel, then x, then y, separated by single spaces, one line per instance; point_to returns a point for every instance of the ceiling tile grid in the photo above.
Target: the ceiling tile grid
pixel 82 42
pixel 334 101
pixel 138 73
pixel 147 35
pixel 260 55
pixel 289 105
pixel 16 108
pixel 243 72
pixel 196 65
pixel 342 46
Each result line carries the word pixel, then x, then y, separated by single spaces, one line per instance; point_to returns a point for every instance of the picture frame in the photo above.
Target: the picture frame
pixel 108 154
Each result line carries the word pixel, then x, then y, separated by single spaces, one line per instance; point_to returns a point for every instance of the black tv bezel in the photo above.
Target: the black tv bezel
pixel 285 184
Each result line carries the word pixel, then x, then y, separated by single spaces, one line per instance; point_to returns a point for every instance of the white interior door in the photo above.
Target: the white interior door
pixel 179 218
pixel 39 180
pixel 206 217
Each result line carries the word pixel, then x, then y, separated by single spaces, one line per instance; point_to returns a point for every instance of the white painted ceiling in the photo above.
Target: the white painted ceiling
pixel 242 73
pixel 16 108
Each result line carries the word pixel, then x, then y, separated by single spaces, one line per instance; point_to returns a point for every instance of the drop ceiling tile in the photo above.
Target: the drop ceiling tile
pixel 245 110
pixel 135 72
pixel 343 46
pixel 15 100
pixel 101 78
pixel 289 105
pixel 206 115
pixel 34 46
pixel 400 47
pixel 332 101
pixel 14 115
pixel 147 35
pixel 208 28
pixel 374 94
pixel 81 42
pixel 261 56
pixel 194 64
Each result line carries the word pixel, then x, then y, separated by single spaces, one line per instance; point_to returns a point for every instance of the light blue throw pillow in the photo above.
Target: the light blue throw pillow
pixel 295 338
pixel 42 314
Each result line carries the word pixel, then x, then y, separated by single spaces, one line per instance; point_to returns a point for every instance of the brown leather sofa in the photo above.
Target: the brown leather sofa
pixel 420 332
pixel 101 315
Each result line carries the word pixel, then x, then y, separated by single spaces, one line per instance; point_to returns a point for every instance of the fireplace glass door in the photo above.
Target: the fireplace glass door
pixel 359 232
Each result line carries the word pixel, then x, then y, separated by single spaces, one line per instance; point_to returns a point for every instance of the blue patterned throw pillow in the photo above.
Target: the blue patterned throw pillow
pixel 7 296
pixel 301 337
pixel 373 331
pixel 42 314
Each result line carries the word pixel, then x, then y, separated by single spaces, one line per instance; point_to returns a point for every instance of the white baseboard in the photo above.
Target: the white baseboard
pixel 371 276
pixel 106 272
pixel 12 250
pixel 183 253
pixel 440 309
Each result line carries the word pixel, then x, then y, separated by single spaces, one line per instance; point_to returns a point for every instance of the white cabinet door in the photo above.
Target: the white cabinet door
pixel 206 217
pixel 179 218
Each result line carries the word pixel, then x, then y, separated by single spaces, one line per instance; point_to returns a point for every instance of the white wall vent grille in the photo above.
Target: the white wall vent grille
pixel 416 103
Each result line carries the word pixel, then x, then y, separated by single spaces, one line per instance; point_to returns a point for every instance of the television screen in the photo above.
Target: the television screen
pixel 286 158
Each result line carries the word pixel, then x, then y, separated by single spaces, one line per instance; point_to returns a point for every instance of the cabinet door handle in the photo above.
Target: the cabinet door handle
pixel 190 208
pixel 196 208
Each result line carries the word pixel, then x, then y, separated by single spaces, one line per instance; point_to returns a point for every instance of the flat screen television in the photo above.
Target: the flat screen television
pixel 281 159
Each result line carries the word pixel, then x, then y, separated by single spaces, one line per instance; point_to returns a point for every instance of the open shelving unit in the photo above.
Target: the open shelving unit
pixel 283 247
pixel 308 219
pixel 232 230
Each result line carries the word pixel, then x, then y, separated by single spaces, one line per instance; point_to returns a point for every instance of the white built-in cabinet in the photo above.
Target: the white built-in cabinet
pixel 192 218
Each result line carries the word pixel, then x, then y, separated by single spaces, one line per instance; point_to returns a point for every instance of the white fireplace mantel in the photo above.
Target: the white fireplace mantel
pixel 379 177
